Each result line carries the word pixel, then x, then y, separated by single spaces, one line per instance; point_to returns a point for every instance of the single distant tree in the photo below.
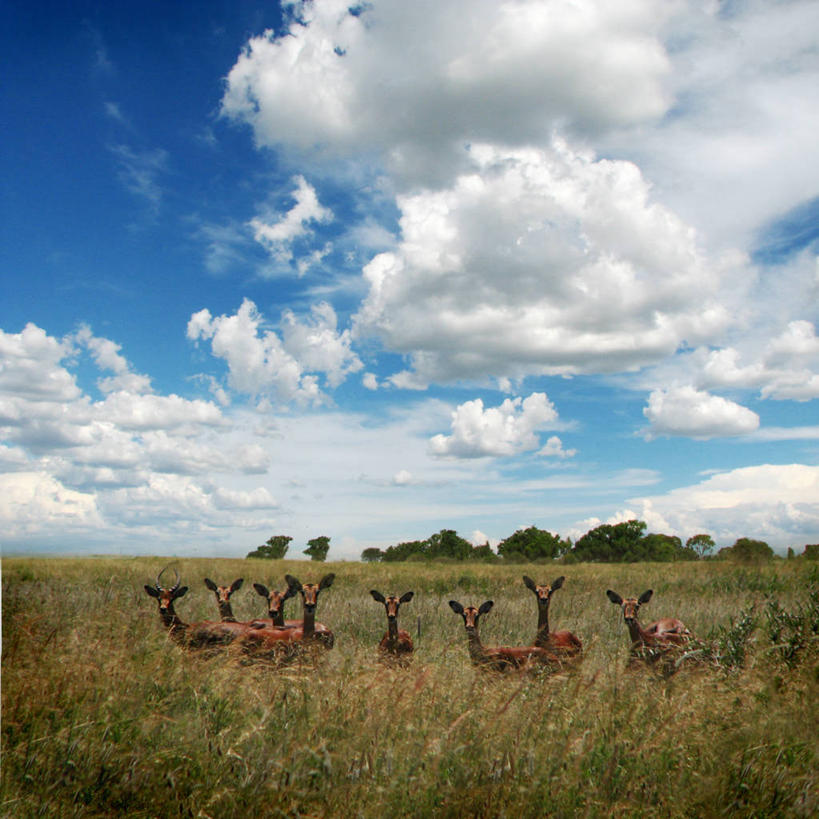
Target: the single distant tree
pixel 791 553
pixel 702 544
pixel 811 551
pixel 747 550
pixel 275 548
pixel 611 543
pixel 448 543
pixel 372 555
pixel 532 544
pixel 318 547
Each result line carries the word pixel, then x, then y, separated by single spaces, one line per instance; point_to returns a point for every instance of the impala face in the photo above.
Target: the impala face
pixel 275 599
pixel 392 603
pixel 471 614
pixel 310 591
pixel 166 596
pixel 630 605
pixel 223 592
pixel 543 592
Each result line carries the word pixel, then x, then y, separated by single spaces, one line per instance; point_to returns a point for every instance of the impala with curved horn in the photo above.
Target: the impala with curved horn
pixel 561 642
pixel 223 594
pixel 310 629
pixel 657 638
pixel 396 642
pixel 501 658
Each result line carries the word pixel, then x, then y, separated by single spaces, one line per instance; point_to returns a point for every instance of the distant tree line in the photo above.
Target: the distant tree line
pixel 625 542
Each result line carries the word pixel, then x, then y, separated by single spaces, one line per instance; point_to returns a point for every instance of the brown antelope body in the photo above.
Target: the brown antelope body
pixel 209 633
pixel 275 607
pixel 563 643
pixel 659 637
pixel 223 594
pixel 396 642
pixel 310 630
pixel 501 658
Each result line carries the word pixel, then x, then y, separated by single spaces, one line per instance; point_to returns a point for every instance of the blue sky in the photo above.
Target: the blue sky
pixel 372 272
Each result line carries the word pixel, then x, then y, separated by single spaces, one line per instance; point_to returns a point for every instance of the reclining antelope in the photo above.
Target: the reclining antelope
pixel 657 638
pixel 562 643
pixel 309 630
pixel 501 658
pixel 275 606
pixel 396 643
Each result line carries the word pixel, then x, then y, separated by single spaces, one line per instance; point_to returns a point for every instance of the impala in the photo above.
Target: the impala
pixel 658 638
pixel 275 606
pixel 503 657
pixel 223 594
pixel 310 629
pixel 561 642
pixel 396 642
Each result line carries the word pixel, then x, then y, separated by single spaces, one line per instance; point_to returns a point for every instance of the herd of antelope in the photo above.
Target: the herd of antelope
pixel 274 634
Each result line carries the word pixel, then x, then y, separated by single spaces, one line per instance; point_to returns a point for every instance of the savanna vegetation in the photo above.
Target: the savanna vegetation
pixel 104 715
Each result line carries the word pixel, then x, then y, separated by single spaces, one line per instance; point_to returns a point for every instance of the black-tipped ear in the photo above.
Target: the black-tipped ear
pixel 326 581
pixel 406 597
pixel 180 592
pixel 529 583
pixel 455 606
pixel 377 596
pixel 210 584
pixel 292 582
pixel 236 585
pixel 262 590
pixel 645 596
pixel 614 597
pixel 292 591
pixel 556 584
pixel 152 590
pixel 485 607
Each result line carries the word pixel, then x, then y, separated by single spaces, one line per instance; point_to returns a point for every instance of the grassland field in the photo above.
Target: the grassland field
pixel 103 715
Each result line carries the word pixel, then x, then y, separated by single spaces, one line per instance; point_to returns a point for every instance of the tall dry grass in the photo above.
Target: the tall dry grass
pixel 103 715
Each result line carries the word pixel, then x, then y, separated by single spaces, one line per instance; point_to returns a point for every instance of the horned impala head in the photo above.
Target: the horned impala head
pixel 471 614
pixel 275 599
pixel 166 596
pixel 543 592
pixel 309 591
pixel 223 592
pixel 630 605
pixel 392 603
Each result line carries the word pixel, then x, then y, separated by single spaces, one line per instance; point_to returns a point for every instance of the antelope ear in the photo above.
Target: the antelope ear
pixel 645 596
pixel 556 584
pixel 453 604
pixel 377 596
pixel 291 592
pixel 614 597
pixel 406 597
pixel 529 583
pixel 262 590
pixel 180 592
pixel 485 607
pixel 236 585
pixel 326 581
pixel 292 582
pixel 152 590
pixel 210 584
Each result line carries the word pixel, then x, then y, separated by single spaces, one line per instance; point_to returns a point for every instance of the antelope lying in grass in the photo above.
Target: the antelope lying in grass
pixel 223 594
pixel 658 638
pixel 309 630
pixel 562 643
pixel 396 643
pixel 209 633
pixel 502 658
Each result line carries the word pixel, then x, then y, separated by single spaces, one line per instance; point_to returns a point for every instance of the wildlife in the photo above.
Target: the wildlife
pixel 562 643
pixel 396 643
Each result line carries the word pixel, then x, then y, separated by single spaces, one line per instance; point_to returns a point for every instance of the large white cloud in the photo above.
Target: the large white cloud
pixel 509 429
pixel 688 412
pixel 540 261
pixel 775 503
pixel 265 366
pixel 414 81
